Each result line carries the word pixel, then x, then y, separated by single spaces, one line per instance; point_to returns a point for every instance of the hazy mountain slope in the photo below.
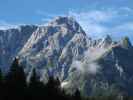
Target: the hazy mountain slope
pixel 12 41
pixel 61 48
pixel 103 70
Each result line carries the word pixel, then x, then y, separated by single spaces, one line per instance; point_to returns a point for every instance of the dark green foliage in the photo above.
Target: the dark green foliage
pixel 16 75
pixel 15 81
pixel 77 95
pixel 1 76
pixel 1 85
pixel 36 89
pixel 33 79
pixel 14 87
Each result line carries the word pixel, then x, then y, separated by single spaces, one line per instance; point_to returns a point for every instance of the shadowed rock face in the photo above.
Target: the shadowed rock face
pixel 61 48
pixel 12 41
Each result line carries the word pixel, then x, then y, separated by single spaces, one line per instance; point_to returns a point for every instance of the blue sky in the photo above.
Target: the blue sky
pixel 97 17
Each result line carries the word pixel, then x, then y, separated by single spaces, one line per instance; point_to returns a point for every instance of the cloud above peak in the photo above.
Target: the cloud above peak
pixel 97 23
pixel 5 25
pixel 93 15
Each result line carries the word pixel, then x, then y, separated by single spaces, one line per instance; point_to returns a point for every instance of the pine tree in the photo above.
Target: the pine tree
pixel 1 78
pixel 1 85
pixel 16 75
pixel 15 80
pixel 77 95
pixel 34 79
pixel 36 88
pixel 53 88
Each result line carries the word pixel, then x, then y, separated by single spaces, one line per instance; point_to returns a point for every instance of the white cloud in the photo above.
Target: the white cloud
pixel 126 9
pixel 64 84
pixel 125 29
pixel 94 30
pixel 5 25
pixel 91 21
pixel 89 64
pixel 93 16
pixel 44 14
pixel 78 65
pixel 98 23
pixel 126 26
pixel 46 17
pixel 93 68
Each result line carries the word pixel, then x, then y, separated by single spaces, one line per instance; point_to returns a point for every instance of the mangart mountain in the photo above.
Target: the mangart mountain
pixel 62 49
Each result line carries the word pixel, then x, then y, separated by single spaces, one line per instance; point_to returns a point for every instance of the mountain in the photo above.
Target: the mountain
pixel 62 49
pixel 12 41
pixel 52 48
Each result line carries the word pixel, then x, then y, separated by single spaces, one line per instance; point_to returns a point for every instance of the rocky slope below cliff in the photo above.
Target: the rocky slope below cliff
pixel 61 48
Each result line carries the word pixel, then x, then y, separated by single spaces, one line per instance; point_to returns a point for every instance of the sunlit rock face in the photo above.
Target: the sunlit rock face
pixel 62 49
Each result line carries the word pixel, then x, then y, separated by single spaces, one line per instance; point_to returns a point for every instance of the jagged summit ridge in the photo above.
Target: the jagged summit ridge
pixel 68 22
pixel 62 48
pixel 48 43
pixel 60 27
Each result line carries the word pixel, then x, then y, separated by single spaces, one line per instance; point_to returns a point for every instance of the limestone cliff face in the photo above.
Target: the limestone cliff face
pixel 12 41
pixel 61 48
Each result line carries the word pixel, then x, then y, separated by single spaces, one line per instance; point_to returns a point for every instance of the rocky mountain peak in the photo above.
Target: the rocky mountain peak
pixel 105 41
pixel 54 49
pixel 68 22
pixel 56 34
pixel 62 20
pixel 108 39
